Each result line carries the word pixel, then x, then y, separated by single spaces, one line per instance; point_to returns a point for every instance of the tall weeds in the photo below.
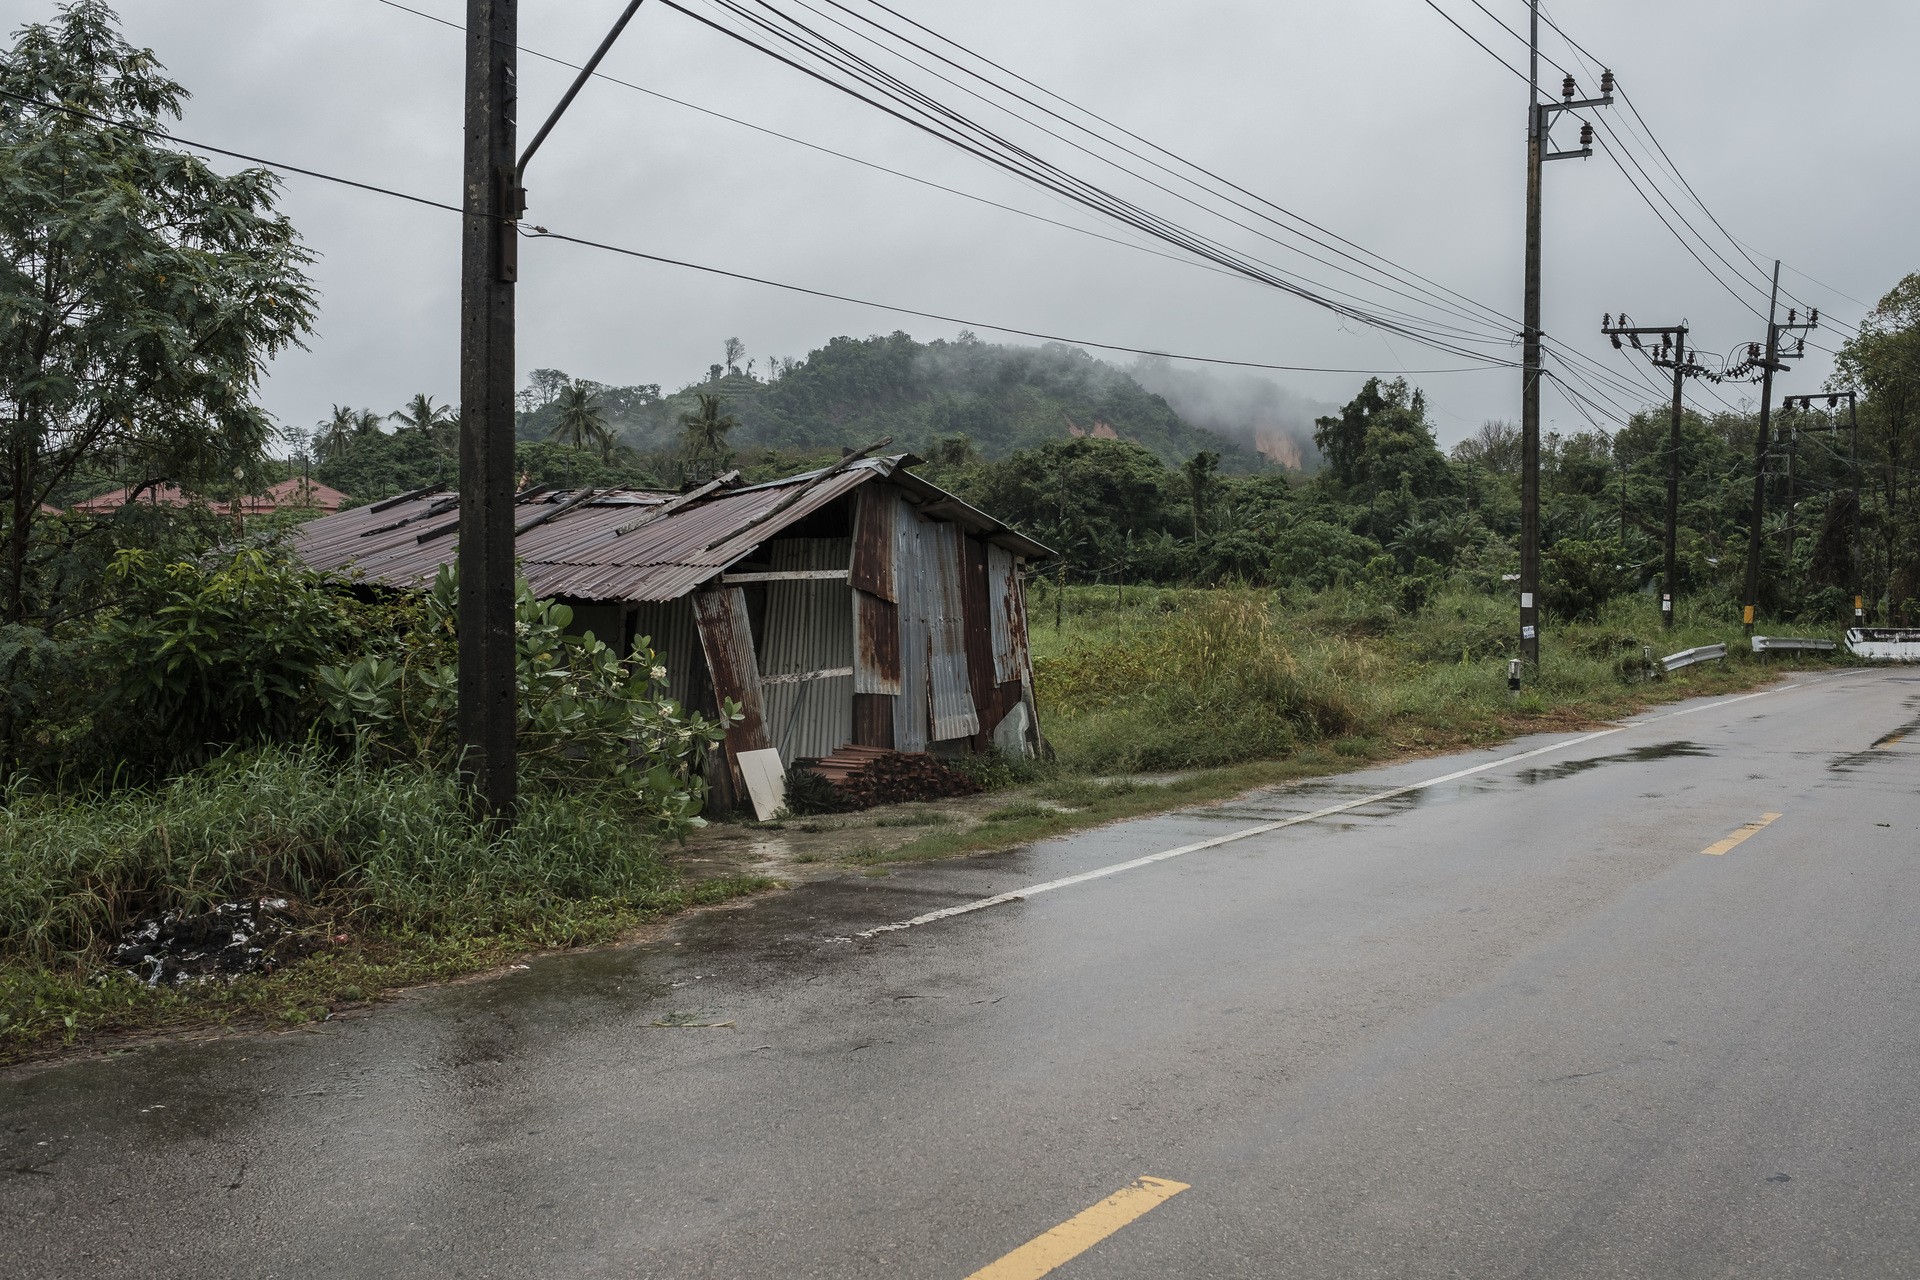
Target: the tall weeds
pixel 391 846
pixel 1213 684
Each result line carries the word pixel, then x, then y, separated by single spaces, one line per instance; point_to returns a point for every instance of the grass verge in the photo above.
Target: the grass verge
pixel 395 884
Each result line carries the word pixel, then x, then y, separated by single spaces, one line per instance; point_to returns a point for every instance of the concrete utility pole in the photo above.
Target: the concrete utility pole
pixel 489 711
pixel 1769 365
pixel 1539 124
pixel 1672 353
pixel 488 694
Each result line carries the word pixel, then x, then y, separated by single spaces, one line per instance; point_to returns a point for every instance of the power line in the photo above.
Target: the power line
pixel 947 124
pixel 1404 271
pixel 1477 40
pixel 533 232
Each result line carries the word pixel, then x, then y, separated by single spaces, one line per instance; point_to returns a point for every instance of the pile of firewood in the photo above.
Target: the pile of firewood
pixel 862 777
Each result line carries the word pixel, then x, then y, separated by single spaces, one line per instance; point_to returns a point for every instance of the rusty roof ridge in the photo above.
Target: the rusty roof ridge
pixel 847 463
pixel 723 481
pixel 438 506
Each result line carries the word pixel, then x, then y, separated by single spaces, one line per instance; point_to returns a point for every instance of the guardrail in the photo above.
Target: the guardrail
pixel 1688 657
pixel 1791 644
pixel 1885 644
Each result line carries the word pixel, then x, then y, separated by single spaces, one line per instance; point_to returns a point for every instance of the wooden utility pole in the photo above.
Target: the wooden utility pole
pixel 488 698
pixel 489 714
pixel 1540 117
pixel 1530 369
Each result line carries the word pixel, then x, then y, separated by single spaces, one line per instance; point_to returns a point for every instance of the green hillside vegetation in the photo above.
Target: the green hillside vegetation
pixel 853 390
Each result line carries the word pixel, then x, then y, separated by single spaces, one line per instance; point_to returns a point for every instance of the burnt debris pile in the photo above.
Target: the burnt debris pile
pixel 255 935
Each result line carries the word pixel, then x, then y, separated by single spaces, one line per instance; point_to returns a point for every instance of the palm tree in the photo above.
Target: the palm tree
pixel 438 422
pixel 706 435
pixel 579 421
pixel 337 434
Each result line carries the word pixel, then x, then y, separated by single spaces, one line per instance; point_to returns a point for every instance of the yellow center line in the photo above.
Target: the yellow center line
pixel 1734 838
pixel 1081 1232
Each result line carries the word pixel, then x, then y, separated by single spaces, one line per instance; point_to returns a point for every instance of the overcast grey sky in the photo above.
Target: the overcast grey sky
pixel 1372 117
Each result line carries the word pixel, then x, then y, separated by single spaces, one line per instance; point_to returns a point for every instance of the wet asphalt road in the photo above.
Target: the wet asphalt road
pixel 1512 1025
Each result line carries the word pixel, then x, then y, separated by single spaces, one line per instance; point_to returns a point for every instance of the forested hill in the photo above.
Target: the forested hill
pixel 1001 397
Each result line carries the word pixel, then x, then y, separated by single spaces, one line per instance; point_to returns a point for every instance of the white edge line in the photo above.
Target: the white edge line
pixel 1099 873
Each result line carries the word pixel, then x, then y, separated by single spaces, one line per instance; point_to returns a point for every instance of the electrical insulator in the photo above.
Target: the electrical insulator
pixel 1753 351
pixel 1813 317
pixel 1606 83
pixel 1833 402
pixel 1566 88
pixel 1606 321
pixel 1616 340
pixel 1793 314
pixel 1586 135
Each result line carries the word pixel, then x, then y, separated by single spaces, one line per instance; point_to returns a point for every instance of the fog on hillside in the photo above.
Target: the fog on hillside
pixel 1244 407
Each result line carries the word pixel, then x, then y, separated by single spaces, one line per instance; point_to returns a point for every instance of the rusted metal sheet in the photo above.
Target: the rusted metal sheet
pixel 808 628
pixel 727 640
pixel 873 541
pixel 873 720
pixel 942 568
pixel 581 554
pixel 1003 596
pixel 912 708
pixel 876 644
pixel 978 617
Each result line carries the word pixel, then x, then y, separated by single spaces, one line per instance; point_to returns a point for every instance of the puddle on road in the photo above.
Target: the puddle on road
pixel 1639 755
pixel 1295 801
pixel 1891 745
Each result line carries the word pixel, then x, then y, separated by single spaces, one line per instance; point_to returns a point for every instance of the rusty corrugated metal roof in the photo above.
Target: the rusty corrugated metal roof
pixel 580 552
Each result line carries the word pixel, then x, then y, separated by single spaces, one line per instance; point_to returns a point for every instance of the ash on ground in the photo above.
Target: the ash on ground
pixel 256 935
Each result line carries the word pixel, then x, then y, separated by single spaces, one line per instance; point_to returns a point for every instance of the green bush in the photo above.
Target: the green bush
pixel 585 714
pixel 1582 576
pixel 392 846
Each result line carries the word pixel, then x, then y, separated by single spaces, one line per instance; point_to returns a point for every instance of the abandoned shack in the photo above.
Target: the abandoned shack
pixel 857 605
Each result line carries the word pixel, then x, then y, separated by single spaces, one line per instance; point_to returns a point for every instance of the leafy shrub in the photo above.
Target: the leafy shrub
pixel 1582 576
pixel 585 714
pixel 1314 554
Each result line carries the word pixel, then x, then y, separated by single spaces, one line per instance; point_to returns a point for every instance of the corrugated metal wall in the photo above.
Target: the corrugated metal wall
pixel 910 534
pixel 808 627
pixel 942 569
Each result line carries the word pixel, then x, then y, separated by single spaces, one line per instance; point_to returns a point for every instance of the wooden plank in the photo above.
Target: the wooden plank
pixel 783 575
pixel 872 722
pixel 726 637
